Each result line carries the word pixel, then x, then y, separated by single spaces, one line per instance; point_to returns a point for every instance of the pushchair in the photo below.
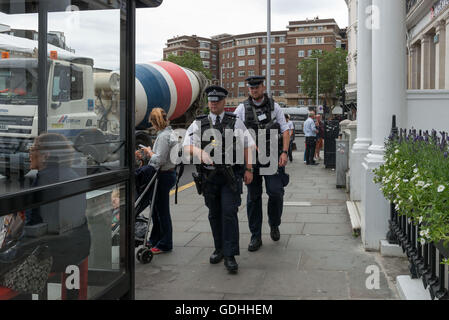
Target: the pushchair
pixel 142 223
pixel 146 197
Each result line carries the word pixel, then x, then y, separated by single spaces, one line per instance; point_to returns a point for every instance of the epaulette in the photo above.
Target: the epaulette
pixel 230 114
pixel 201 117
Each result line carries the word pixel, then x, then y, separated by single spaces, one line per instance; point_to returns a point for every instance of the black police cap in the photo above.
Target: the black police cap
pixel 216 93
pixel 254 81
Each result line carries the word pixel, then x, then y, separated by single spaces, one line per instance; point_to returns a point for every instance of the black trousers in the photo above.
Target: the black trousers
pixel 310 149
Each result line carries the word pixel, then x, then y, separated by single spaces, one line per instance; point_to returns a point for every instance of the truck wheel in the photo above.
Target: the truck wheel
pixel 92 143
pixel 143 138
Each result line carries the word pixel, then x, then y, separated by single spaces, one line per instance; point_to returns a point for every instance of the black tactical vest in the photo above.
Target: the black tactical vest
pixel 228 122
pixel 259 118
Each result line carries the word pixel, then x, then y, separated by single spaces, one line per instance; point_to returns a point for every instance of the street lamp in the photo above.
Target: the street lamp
pixel 317 69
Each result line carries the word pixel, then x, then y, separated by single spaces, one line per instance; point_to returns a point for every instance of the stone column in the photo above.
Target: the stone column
pixel 413 66
pixel 364 101
pixel 425 61
pixel 440 55
pixel 446 67
pixel 389 63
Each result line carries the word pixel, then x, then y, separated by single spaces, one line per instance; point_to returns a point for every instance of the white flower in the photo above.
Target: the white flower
pixel 420 220
pixel 396 186
pixel 420 184
pixel 424 233
pixel 410 198
pixel 441 188
pixel 396 151
pixel 423 241
pixel 405 180
pixel 415 170
pixel 396 207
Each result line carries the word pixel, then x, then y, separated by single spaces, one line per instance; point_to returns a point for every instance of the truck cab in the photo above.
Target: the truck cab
pixel 70 107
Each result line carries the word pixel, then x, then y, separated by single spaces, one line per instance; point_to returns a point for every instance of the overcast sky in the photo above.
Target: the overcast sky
pixel 96 34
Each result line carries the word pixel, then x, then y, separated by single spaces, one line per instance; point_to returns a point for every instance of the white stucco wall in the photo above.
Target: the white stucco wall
pixel 428 109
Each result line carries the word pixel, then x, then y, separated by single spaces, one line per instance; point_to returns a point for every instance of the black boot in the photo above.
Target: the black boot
pixel 216 257
pixel 255 244
pixel 230 264
pixel 275 234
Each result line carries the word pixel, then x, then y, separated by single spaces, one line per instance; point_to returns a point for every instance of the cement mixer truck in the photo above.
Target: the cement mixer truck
pixel 83 105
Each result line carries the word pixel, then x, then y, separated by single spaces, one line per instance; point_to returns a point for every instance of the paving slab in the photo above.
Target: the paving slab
pixel 332 229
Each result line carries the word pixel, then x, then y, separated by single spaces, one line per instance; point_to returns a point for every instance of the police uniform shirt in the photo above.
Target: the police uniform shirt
pixel 276 114
pixel 193 136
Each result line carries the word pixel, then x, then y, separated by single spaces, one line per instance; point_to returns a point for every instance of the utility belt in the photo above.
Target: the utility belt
pixel 226 173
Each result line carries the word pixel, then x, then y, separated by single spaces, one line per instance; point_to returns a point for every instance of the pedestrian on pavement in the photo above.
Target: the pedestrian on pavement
pixel 161 237
pixel 262 114
pixel 291 131
pixel 320 136
pixel 219 181
pixel 310 132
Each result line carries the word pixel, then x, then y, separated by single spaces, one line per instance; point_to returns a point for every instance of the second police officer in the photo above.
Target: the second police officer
pixel 220 182
pixel 260 113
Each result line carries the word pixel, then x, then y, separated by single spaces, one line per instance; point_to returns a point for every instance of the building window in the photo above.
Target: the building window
pixel 241 52
pixel 282 50
pixel 264 72
pixel 299 78
pixel 309 40
pixel 227 75
pixel 301 102
pixel 273 83
pixel 301 53
pixel 309 52
pixel 320 28
pixel 214 67
pixel 251 73
pixel 281 61
pixel 241 84
pixel 311 28
pixel 264 61
pixel 338 44
pixel 273 72
pixel 273 50
pixel 232 54
pixel 224 56
pixel 204 54
pixel 281 93
pixel 214 57
pixel 232 64
pixel 232 85
pixel 300 90
pixel 251 62
pixel 241 63
pixel 264 50
pixel 232 75
pixel 281 83
pixel 319 40
pixel 205 45
pixel 300 29
pixel 241 73
pixel 282 39
pixel 299 41
pixel 282 72
pixel 273 61
pixel 273 39
pixel 251 51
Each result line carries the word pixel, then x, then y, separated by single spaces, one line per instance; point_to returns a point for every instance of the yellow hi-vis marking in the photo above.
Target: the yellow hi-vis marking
pixel 187 186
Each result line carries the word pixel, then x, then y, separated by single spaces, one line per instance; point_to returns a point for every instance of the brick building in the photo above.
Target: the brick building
pixel 232 58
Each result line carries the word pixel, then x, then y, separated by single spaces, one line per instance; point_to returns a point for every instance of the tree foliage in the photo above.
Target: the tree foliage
pixel 190 60
pixel 333 73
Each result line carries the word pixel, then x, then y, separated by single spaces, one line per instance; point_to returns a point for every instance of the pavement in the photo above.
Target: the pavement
pixel 317 256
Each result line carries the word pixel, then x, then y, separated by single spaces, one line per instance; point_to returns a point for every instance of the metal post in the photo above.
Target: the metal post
pixel 42 68
pixel 269 48
pixel 317 75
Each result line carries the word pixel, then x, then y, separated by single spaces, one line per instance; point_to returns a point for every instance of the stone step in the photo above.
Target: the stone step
pixel 354 215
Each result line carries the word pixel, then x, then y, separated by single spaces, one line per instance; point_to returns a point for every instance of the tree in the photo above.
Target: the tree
pixel 333 74
pixel 190 60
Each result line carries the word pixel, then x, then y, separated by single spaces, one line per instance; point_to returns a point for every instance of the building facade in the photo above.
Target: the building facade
pixel 237 57
pixel 427 38
pixel 351 87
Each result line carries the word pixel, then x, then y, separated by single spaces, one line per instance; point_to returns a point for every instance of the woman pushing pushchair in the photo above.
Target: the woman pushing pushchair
pixel 161 236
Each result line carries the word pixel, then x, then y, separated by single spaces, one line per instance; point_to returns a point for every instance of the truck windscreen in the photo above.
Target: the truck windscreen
pixel 18 85
pixel 298 117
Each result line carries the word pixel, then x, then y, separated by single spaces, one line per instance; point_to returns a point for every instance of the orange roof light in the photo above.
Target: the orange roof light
pixel 5 55
pixel 54 55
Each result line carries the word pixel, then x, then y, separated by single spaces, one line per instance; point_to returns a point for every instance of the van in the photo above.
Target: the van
pixel 297 115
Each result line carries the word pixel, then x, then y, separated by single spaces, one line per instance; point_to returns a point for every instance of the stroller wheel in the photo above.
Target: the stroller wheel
pixel 146 256
pixel 139 254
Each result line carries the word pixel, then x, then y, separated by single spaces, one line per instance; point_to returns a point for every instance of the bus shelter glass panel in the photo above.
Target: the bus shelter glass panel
pixel 70 249
pixel 82 91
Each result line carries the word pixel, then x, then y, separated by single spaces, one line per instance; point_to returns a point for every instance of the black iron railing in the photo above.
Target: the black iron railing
pixel 425 259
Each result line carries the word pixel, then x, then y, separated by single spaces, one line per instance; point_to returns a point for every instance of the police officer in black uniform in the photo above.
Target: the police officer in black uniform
pixel 218 180
pixel 260 113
